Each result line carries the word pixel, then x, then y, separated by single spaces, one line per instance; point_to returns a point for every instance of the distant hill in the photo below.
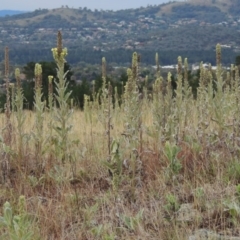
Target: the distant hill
pixel 190 28
pixel 4 13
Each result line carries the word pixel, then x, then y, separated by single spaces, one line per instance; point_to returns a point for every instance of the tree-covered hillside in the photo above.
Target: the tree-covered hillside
pixel 191 29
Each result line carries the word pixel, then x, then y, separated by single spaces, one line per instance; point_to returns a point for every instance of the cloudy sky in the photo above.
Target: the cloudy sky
pixel 93 4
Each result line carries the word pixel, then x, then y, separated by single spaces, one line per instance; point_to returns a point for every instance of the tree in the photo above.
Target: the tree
pixel 237 61
pixel 79 91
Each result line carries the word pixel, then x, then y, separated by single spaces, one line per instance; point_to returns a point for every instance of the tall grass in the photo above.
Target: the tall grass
pixel 167 151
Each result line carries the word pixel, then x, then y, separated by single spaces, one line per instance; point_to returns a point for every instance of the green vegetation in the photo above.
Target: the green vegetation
pixel 199 12
pixel 162 164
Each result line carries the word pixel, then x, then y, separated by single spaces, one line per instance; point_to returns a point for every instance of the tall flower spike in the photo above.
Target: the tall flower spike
pixel 185 69
pixel 134 65
pixel 210 67
pixel 218 54
pixel 50 85
pixel 169 78
pixel 17 76
pixel 129 73
pixel 179 65
pixel 8 137
pixel 104 67
pixel 59 53
pixel 129 84
pixel 59 43
pixel 38 75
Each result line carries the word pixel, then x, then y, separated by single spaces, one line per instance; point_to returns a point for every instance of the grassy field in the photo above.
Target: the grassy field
pixel 162 165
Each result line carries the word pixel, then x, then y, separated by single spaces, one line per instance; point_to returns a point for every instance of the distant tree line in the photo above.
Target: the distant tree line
pixel 78 90
pixel 21 55
pixel 198 12
pixel 85 87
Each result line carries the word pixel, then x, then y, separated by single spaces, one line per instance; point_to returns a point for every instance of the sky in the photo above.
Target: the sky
pixel 31 5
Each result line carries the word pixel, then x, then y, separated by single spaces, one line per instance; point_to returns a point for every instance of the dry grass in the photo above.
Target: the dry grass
pixel 172 169
pixel 86 208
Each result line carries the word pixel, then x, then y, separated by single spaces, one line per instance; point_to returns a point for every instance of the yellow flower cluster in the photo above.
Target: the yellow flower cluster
pixel 17 73
pixel 50 78
pixel 129 73
pixel 38 69
pixel 59 58
pixel 169 78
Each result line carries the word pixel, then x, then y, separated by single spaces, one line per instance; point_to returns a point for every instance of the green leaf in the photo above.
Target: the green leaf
pixel 115 147
pixel 8 213
pixel 3 223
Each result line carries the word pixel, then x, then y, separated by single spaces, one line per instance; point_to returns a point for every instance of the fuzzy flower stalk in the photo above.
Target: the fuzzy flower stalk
pixel 132 127
pixel 50 93
pixel 8 125
pixel 157 65
pixel 50 104
pixel 63 112
pixel 20 117
pixel 218 61
pixel 8 136
pixel 179 99
pixel 105 114
pixel 39 115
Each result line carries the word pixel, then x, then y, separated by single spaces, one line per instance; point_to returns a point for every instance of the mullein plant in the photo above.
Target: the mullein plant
pixel 95 97
pixel 237 78
pixel 162 106
pixel 63 113
pixel 50 110
pixel 179 100
pixel 115 165
pixel 221 109
pixel 50 95
pixel 140 120
pixel 210 82
pixel 106 109
pixel 109 117
pixel 7 139
pixel 90 108
pixel 8 135
pixel 12 86
pixel 235 91
pixel 145 92
pixel 232 75
pixel 21 226
pixel 204 102
pixel 169 129
pixel 165 114
pixel 39 106
pixel 186 88
pixel 136 70
pixel 12 101
pixel 104 98
pixel 20 117
pixel 132 111
pixel 188 98
pixel 116 100
pixel 158 110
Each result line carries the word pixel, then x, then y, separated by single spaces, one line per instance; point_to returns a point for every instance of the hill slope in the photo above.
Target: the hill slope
pixel 191 28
